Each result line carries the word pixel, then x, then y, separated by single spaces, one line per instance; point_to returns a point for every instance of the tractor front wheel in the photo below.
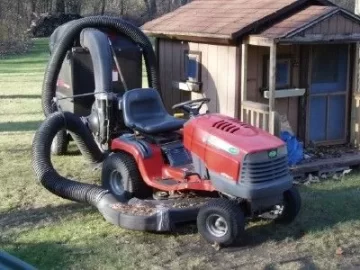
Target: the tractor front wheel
pixel 291 206
pixel 122 178
pixel 221 221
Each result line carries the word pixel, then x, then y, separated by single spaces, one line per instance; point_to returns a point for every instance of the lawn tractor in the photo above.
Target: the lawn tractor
pixel 158 170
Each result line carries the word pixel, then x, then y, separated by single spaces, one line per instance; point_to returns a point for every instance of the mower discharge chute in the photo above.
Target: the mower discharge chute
pixel 157 170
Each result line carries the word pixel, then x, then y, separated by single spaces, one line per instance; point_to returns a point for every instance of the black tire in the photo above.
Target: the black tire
pixel 120 175
pixel 292 205
pixel 60 143
pixel 221 221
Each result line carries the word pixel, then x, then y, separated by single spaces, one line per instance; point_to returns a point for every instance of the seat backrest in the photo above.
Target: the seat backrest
pixel 142 104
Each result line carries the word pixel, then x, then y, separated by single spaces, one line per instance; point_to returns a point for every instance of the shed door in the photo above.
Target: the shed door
pixel 328 94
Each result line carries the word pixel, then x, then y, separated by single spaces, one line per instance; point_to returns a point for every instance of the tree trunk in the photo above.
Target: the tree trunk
pixel 74 6
pixel 151 8
pixel 33 4
pixel 18 14
pixel 122 7
pixel 59 6
pixel 103 7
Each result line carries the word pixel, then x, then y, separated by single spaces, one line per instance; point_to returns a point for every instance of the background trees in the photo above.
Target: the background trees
pixel 16 16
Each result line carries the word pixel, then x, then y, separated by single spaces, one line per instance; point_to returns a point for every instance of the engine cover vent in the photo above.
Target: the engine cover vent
pixel 228 126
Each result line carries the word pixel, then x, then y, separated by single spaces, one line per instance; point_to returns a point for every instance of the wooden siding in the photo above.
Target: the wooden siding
pixel 286 108
pixel 355 123
pixel 219 71
pixel 334 25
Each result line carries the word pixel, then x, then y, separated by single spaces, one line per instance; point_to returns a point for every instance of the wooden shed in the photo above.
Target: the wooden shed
pixel 268 62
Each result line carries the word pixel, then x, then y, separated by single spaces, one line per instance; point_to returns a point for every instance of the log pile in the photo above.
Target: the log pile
pixel 43 25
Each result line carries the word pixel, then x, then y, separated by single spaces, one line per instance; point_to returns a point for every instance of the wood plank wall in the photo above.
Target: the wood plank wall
pixel 219 71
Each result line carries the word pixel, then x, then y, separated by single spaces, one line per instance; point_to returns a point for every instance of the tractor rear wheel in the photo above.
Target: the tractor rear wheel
pixel 221 221
pixel 120 175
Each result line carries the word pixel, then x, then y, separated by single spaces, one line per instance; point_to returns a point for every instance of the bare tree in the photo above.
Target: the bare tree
pixel 151 8
pixel 121 6
pixel 59 6
pixel 33 5
pixel 73 6
pixel 103 6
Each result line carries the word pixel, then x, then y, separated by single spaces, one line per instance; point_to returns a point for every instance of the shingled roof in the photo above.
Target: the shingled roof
pixel 221 19
pixel 298 20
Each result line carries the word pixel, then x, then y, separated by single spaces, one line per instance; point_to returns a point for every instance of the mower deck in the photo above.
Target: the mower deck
pixel 156 215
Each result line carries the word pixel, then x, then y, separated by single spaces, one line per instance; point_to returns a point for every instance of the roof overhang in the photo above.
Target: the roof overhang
pixel 234 37
pixel 311 31
pixel 193 37
pixel 315 39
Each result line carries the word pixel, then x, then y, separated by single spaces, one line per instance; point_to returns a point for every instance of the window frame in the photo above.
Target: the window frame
pixel 197 56
pixel 266 64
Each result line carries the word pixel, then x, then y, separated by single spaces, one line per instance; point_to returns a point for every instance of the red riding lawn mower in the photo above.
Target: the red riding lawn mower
pixel 158 170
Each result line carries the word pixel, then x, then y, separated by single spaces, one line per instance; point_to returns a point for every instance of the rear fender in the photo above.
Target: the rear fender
pixel 147 156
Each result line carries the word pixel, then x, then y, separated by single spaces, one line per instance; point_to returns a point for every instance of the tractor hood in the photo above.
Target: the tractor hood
pixel 232 135
pixel 222 143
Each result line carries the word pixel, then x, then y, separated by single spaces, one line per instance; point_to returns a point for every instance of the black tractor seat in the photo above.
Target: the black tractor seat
pixel 144 111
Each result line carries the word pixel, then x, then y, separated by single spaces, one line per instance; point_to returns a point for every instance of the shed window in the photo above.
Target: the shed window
pixel 283 73
pixel 325 65
pixel 192 66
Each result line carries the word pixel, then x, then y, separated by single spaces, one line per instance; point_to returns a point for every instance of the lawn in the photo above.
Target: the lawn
pixel 51 233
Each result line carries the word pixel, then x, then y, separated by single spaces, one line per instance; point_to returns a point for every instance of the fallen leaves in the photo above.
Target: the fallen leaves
pixel 216 246
pixel 339 251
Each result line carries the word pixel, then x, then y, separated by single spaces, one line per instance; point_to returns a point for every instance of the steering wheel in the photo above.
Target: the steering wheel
pixel 192 106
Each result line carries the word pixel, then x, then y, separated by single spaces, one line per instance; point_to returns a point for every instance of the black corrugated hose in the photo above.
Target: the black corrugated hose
pixel 73 190
pixel 73 32
pixel 42 165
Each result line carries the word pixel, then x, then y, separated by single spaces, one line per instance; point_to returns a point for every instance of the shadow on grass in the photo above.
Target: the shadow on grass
pixel 28 62
pixel 48 214
pixel 20 96
pixel 43 255
pixel 301 263
pixel 12 71
pixel 21 113
pixel 321 210
pixel 19 126
pixel 48 255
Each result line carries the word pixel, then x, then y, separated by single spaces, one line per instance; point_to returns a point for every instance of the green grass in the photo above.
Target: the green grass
pixel 52 233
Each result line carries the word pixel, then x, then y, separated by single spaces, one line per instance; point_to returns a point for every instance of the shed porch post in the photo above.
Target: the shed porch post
pixel 244 64
pixel 355 102
pixel 272 87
